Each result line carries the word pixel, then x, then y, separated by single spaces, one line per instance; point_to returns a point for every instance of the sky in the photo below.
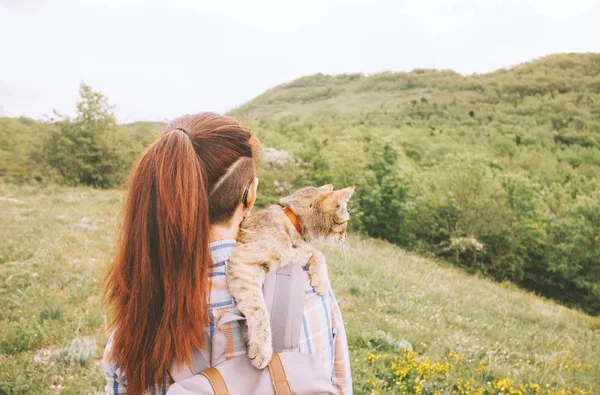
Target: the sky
pixel 155 60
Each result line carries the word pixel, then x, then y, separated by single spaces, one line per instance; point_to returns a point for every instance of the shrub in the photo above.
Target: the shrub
pixel 79 352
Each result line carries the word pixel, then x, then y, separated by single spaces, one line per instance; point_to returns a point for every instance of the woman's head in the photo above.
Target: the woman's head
pixel 227 153
pixel 193 176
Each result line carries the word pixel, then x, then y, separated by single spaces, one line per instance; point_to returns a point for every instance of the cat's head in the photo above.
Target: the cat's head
pixel 323 212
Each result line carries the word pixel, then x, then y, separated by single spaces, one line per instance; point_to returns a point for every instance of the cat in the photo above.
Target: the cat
pixel 278 236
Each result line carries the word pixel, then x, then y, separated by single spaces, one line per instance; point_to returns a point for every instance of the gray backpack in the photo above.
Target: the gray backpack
pixel 289 371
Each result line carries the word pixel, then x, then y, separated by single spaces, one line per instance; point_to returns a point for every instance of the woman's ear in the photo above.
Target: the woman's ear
pixel 252 194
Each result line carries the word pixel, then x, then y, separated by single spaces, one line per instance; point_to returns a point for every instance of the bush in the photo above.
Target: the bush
pixel 21 151
pixel 78 352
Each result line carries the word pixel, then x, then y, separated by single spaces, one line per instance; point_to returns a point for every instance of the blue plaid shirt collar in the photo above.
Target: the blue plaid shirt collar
pixel 221 250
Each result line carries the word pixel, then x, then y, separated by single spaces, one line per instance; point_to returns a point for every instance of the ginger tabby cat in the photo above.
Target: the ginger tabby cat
pixel 272 238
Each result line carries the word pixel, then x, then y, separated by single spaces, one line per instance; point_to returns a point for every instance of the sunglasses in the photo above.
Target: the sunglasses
pixel 245 195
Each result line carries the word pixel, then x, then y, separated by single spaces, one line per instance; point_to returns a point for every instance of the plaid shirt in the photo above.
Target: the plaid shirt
pixel 322 331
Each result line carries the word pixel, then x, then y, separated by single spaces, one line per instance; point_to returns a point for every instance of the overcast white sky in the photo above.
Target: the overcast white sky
pixel 159 59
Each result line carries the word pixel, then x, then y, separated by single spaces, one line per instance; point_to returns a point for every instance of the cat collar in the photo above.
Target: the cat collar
pixel 293 219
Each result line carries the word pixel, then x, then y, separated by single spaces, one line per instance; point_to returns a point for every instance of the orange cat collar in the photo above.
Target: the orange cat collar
pixel 293 219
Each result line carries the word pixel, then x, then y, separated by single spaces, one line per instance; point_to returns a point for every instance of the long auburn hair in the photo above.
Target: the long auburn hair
pixel 158 285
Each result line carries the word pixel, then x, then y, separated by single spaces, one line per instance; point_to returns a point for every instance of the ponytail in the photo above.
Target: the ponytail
pixel 158 283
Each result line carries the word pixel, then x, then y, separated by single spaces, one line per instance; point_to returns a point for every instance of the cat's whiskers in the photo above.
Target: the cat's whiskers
pixel 343 250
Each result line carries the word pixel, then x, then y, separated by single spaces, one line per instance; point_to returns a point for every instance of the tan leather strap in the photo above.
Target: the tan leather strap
pixel 216 381
pixel 281 385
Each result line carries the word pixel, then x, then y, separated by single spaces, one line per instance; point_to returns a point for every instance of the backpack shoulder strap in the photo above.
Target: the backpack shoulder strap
pixel 284 296
pixel 216 380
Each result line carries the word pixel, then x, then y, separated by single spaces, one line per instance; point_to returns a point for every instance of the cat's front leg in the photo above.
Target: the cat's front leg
pixel 245 284
pixel 317 268
pixel 260 348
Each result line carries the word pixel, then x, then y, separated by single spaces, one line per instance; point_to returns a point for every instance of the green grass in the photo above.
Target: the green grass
pixel 56 243
pixel 497 330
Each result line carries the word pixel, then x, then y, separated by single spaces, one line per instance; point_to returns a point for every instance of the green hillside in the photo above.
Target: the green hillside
pixel 498 173
pixel 547 79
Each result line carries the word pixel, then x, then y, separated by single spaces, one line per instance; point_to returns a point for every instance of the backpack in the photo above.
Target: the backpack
pixel 289 371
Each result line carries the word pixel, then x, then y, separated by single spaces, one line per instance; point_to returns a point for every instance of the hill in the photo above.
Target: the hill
pixel 412 322
pixel 553 75
pixel 499 172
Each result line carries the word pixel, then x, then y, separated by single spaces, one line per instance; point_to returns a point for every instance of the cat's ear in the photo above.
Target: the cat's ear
pixel 326 188
pixel 333 200
pixel 343 195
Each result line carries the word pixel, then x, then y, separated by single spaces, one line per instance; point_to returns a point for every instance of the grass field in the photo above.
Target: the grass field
pixel 414 325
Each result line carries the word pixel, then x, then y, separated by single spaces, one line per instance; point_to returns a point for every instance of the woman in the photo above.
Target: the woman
pixel 179 227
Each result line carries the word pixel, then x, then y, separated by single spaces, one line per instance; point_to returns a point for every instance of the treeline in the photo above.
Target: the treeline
pixel 89 149
pixel 471 212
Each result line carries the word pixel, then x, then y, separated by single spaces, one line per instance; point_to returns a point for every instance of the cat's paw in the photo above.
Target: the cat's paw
pixel 319 283
pixel 260 356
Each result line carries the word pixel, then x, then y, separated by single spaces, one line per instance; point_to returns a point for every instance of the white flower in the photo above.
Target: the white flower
pixel 466 243
pixel 274 158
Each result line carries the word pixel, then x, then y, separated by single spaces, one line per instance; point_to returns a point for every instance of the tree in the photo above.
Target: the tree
pixel 383 199
pixel 313 164
pixel 90 149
